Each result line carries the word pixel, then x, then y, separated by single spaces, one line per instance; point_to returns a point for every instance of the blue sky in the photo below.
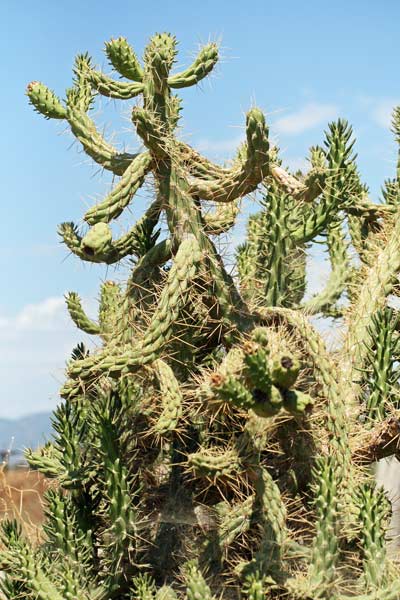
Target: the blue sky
pixel 304 64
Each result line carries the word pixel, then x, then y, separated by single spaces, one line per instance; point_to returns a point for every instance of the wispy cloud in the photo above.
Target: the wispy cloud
pixel 43 316
pixel 307 117
pixel 379 110
pixel 34 345
pixel 382 111
pixel 219 147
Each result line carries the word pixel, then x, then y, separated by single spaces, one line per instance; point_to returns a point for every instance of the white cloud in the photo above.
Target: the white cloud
pixel 43 316
pixel 382 112
pixel 311 115
pixel 34 346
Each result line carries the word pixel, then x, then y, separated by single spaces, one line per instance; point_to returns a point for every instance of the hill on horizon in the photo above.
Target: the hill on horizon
pixel 28 431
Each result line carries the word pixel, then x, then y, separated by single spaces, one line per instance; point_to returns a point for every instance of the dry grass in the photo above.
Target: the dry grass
pixel 21 493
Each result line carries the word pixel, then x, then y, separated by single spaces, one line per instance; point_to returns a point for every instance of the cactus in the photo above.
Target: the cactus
pixel 213 447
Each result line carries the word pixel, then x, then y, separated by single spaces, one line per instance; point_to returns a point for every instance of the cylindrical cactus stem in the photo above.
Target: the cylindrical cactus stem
pixel 257 370
pixel 271 513
pixel 254 587
pixel 227 388
pixel 200 68
pixel 171 399
pixel 325 371
pixel 377 285
pixel 197 588
pixel 380 370
pixel 79 316
pixel 284 371
pixel 22 565
pixel 166 593
pixel 296 403
pixel 109 309
pixel 233 521
pixel 123 59
pixel 340 272
pixel 151 131
pixel 121 195
pixel 374 513
pixel 253 168
pixel 173 297
pixel 143 588
pixel 93 142
pixel 159 56
pixel 214 464
pixel 45 101
pixel 322 571
pixel 222 219
pixel 106 86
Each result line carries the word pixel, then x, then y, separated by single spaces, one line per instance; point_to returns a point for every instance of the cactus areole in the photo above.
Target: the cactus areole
pixel 213 447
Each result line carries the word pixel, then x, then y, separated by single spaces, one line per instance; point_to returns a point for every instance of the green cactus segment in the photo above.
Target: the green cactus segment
pixel 322 573
pixel 254 588
pixel 143 588
pixel 296 402
pixel 257 369
pixel 123 59
pixel 64 534
pixel 166 593
pixel 122 193
pixel 253 167
pixel 24 567
pixel 377 285
pixel 222 219
pixel 62 458
pixel 171 399
pixel 173 297
pixel 97 240
pixel 234 521
pixel 381 373
pixel 107 86
pixel 97 245
pixel 110 302
pixel 150 129
pixel 284 371
pixel 271 250
pixel 46 461
pixel 197 587
pixel 78 315
pixel 214 465
pixel 120 538
pixel 272 522
pixel 200 68
pixel 340 162
pixel 45 101
pixel 327 375
pixel 374 514
pixel 93 142
pixel 339 276
pixel 230 389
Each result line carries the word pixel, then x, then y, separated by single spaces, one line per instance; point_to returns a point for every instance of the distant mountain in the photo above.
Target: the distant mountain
pixel 27 432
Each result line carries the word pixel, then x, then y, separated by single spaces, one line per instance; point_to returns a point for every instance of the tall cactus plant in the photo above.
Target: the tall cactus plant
pixel 213 447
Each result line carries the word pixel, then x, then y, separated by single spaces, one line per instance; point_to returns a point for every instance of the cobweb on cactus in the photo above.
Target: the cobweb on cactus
pixel 213 447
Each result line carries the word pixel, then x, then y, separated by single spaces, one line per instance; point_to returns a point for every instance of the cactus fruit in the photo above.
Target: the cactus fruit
pixel 213 447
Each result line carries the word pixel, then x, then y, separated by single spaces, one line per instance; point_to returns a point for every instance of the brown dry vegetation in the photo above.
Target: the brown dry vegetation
pixel 21 493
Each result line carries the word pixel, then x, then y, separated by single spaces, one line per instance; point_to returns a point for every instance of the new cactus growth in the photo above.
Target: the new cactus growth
pixel 213 447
